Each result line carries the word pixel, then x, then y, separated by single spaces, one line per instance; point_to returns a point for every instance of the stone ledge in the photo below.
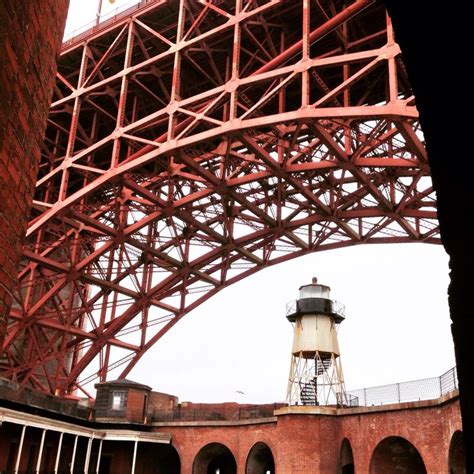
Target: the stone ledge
pixel 333 411
pixel 255 421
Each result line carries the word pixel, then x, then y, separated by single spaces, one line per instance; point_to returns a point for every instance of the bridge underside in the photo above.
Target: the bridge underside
pixel 194 144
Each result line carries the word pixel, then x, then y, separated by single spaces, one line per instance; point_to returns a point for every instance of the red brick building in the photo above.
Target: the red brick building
pixel 133 429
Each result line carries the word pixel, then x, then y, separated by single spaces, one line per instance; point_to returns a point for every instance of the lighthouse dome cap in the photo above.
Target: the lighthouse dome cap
pixel 314 282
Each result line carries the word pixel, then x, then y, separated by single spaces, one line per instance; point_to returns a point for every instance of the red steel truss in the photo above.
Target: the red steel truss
pixel 191 145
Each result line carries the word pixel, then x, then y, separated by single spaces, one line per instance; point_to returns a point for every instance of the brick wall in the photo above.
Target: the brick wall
pixel 30 37
pixel 161 401
pixel 307 444
pixel 428 429
pixel 187 411
pixel 136 405
pixel 189 440
pixel 301 440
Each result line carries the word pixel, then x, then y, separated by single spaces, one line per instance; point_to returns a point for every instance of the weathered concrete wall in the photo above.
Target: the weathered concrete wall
pixel 30 37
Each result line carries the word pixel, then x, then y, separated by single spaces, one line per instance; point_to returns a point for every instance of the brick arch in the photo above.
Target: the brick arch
pixel 346 458
pixel 214 456
pixel 260 459
pixel 457 454
pixel 152 457
pixel 396 455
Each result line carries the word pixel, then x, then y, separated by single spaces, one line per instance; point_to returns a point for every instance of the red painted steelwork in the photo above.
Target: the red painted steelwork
pixel 192 145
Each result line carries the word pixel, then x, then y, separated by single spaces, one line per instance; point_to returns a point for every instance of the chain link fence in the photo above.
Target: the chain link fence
pixel 423 389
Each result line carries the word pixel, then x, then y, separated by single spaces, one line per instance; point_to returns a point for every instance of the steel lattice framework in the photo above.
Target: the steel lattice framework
pixel 191 144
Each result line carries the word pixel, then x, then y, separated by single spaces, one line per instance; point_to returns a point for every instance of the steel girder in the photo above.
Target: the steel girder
pixel 192 144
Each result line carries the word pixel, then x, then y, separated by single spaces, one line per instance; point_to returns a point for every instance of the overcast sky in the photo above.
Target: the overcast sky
pixel 82 12
pixel 396 327
pixel 397 323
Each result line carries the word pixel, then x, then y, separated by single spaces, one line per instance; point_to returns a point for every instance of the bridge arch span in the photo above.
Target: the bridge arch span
pixel 161 183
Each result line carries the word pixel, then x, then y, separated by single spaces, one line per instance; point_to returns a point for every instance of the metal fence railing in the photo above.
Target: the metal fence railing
pixel 423 389
pixel 332 306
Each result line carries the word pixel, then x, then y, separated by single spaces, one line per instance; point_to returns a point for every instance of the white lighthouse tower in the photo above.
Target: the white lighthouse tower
pixel 315 372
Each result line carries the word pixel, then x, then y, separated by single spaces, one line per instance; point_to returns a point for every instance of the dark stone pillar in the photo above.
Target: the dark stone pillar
pixel 30 37
pixel 433 39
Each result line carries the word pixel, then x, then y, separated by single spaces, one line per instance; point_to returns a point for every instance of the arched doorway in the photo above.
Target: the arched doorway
pixel 162 458
pixel 457 454
pixel 346 458
pixel 396 455
pixel 260 460
pixel 214 458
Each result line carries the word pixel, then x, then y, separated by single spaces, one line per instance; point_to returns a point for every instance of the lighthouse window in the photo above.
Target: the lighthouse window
pixel 118 400
pixel 314 291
